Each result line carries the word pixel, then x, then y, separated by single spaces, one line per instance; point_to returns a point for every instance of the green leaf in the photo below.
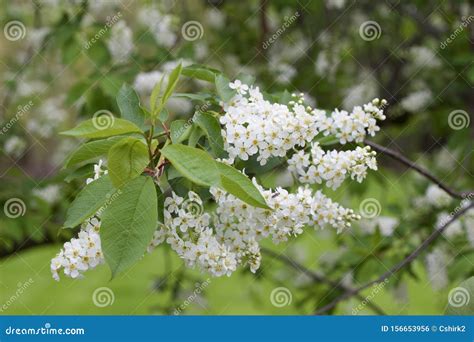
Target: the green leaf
pixel 192 163
pixel 172 81
pixel 201 72
pixel 160 204
pixel 94 128
pixel 179 130
pixel 200 168
pixel 155 94
pixel 327 140
pixel 126 160
pixel 129 105
pixel 128 224
pixel 211 126
pixel 461 299
pixel 91 150
pixel 237 184
pixel 223 89
pixel 195 135
pixel 163 115
pixel 89 201
pixel 191 96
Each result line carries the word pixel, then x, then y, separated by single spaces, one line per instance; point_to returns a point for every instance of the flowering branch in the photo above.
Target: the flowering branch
pixel 405 262
pixel 317 277
pixel 402 159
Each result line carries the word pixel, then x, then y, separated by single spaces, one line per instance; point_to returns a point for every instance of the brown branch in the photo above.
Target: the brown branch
pixel 405 262
pixel 404 160
pixel 317 277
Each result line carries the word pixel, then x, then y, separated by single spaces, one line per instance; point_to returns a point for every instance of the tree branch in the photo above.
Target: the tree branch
pixel 317 277
pixel 405 262
pixel 402 159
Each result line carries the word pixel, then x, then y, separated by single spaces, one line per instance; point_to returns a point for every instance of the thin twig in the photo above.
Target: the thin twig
pixel 317 277
pixel 405 262
pixel 404 160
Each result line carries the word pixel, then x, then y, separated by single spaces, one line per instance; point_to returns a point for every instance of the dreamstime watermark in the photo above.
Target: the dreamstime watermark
pixel 458 119
pixel 288 21
pixel 464 23
pixel 464 203
pixel 14 208
pixel 280 297
pixel 110 198
pixel 103 119
pixel 22 286
pixel 14 30
pixel 21 110
pixel 46 330
pixel 103 296
pixel 192 30
pixel 370 208
pixel 193 207
pixel 375 290
pixel 459 296
pixel 192 297
pixel 370 30
pixel 110 21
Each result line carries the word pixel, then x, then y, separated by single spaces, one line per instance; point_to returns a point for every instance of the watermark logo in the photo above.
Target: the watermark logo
pixel 103 119
pixel 199 288
pixel 370 30
pixel 464 23
pixel 14 30
pixel 280 297
pixel 103 296
pixel 288 21
pixel 14 208
pixel 192 30
pixel 370 208
pixel 459 296
pixel 458 119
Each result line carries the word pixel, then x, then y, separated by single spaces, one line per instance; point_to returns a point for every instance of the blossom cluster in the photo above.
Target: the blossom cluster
pixel 331 167
pixel 81 253
pixel 230 238
pixel 255 126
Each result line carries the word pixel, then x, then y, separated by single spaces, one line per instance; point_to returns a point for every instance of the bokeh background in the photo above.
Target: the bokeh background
pixel 62 61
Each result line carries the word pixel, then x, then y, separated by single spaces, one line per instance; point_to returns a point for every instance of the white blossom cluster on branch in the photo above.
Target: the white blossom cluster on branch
pixel 332 167
pixel 220 243
pixel 255 126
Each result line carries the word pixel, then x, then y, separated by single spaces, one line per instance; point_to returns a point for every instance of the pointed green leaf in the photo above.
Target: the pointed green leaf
pixel 128 224
pixel 126 160
pixel 155 94
pixel 129 105
pixel 192 163
pixel 93 128
pixel 200 168
pixel 201 72
pixel 89 201
pixel 179 131
pixel 210 125
pixel 172 82
pixel 223 89
pixel 237 184
pixel 91 150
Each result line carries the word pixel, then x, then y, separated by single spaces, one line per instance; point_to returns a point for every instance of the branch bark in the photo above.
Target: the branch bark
pixel 404 160
pixel 405 262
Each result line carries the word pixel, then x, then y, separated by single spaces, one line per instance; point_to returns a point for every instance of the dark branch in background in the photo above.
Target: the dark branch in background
pixel 419 169
pixel 263 24
pixel 318 278
pixel 405 262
